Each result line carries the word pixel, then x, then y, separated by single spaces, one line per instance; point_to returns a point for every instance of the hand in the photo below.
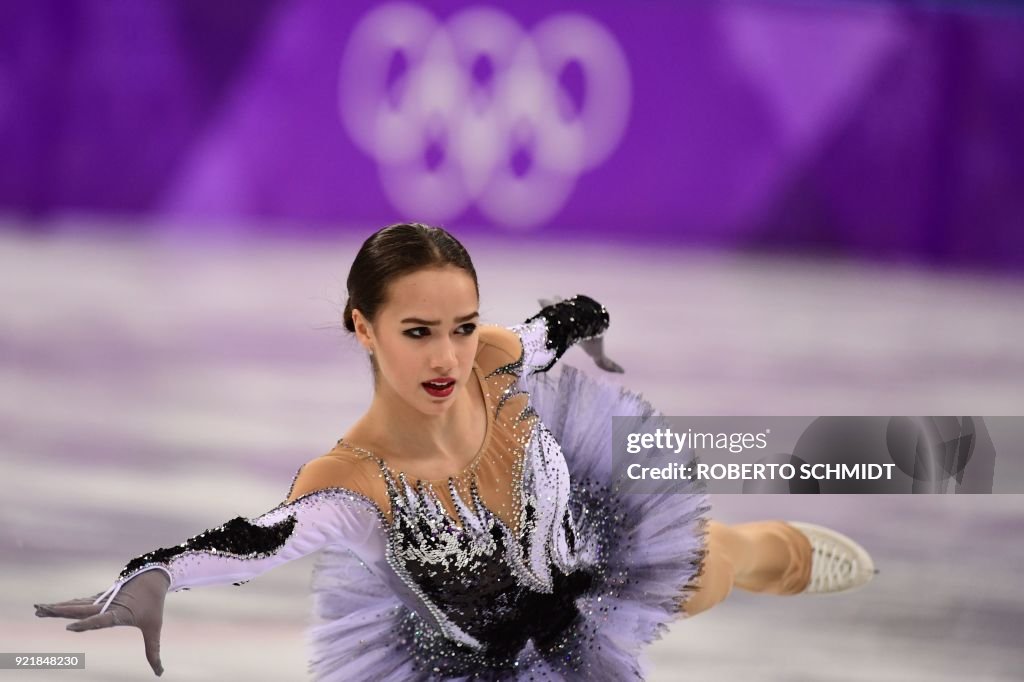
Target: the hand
pixel 545 302
pixel 139 603
pixel 592 347
pixel 595 349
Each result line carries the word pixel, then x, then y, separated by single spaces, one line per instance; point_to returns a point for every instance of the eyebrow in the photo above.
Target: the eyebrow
pixel 431 323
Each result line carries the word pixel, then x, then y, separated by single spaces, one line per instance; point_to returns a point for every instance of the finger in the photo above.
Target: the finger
pixel 610 365
pixel 68 610
pixel 71 602
pixel 151 639
pixel 102 620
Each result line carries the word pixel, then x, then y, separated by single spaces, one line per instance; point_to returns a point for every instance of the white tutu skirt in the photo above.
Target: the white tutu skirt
pixel 652 548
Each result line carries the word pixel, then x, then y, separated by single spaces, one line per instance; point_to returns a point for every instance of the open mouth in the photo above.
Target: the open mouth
pixel 439 389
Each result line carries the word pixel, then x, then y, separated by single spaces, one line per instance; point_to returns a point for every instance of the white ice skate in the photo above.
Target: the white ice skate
pixel 839 564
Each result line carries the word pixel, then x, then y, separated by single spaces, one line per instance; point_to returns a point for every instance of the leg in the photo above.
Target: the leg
pixel 770 557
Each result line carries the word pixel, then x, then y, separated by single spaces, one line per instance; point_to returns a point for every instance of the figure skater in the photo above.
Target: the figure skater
pixel 469 524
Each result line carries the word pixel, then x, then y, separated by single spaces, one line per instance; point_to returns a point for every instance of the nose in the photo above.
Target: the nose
pixel 443 357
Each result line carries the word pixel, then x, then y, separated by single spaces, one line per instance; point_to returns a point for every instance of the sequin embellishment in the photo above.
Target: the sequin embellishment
pixel 237 537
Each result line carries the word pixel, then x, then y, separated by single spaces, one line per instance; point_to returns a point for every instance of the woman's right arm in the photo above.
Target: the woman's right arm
pixel 314 514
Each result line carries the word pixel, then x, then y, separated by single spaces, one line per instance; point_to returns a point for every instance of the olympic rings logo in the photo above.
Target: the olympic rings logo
pixel 477 111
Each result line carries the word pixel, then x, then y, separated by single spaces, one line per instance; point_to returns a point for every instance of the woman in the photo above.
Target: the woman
pixel 469 521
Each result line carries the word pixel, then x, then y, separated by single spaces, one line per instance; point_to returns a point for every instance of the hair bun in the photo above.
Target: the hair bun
pixel 346 316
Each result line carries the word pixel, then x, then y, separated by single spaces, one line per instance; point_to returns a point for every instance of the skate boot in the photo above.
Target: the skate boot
pixel 838 563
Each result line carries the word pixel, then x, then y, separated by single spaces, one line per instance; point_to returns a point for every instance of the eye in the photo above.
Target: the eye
pixel 467 329
pixel 417 332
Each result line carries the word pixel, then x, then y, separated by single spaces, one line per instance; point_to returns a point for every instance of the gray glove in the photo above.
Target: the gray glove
pixel 139 603
pixel 592 347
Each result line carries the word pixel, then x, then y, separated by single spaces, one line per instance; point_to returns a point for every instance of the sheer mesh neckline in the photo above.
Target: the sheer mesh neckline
pixel 462 473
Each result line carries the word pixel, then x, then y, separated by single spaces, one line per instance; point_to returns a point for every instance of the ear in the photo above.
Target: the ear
pixel 364 330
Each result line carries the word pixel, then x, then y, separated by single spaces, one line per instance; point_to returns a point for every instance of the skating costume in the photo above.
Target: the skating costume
pixel 528 564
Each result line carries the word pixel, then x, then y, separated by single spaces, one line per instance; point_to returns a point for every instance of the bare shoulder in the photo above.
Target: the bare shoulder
pixel 337 469
pixel 498 346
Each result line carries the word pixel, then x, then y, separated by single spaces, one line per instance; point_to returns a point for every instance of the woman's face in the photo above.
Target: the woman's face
pixel 424 338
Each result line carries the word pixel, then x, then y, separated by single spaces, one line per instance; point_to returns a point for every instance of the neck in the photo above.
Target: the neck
pixel 407 433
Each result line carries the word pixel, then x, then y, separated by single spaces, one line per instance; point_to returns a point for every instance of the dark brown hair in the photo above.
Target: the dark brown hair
pixel 395 251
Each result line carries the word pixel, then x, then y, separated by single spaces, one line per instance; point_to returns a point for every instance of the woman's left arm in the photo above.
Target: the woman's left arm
pixel 560 324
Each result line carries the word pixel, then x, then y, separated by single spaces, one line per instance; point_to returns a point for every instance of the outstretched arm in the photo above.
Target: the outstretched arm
pixel 560 324
pixel 235 552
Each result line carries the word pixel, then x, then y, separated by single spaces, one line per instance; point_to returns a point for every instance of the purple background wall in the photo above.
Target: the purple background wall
pixel 867 129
